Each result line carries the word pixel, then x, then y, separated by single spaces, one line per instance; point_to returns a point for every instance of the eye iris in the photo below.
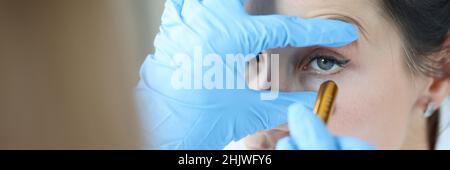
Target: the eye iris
pixel 325 64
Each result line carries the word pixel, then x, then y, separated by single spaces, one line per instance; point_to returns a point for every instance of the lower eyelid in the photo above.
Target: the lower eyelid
pixel 318 73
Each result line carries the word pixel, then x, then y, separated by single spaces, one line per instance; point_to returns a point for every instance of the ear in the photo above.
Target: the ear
pixel 436 91
pixel 439 88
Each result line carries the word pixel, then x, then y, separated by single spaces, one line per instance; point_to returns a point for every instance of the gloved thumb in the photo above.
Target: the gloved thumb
pixel 307 130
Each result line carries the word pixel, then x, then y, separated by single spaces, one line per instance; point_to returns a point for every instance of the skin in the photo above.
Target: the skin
pixel 380 100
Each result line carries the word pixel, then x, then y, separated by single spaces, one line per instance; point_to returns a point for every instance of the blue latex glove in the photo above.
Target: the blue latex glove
pixel 308 132
pixel 210 119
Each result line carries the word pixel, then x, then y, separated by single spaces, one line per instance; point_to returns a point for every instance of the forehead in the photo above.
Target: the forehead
pixel 311 8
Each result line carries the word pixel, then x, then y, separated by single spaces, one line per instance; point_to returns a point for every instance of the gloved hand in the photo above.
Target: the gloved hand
pixel 308 132
pixel 201 118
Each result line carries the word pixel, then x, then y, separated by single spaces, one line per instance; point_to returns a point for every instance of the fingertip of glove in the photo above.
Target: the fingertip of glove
pixel 351 143
pixel 285 144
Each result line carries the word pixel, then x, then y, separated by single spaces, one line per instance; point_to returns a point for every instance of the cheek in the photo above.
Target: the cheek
pixel 373 104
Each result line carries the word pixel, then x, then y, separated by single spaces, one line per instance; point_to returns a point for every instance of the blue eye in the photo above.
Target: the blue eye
pixel 326 64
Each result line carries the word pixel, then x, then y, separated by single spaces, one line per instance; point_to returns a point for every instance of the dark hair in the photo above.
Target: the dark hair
pixel 424 25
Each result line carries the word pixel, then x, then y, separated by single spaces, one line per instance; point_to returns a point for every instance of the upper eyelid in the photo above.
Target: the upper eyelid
pixel 334 58
pixel 339 62
pixel 327 52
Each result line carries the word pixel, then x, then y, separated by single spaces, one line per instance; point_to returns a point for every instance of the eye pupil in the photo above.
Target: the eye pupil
pixel 325 64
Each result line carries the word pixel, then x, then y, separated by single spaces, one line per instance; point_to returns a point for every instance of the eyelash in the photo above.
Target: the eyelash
pixel 341 63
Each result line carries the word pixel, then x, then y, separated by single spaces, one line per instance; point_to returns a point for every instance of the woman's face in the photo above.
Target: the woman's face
pixel 377 92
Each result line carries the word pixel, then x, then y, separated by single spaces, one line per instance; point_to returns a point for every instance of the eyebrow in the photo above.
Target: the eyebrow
pixel 353 21
pixel 347 19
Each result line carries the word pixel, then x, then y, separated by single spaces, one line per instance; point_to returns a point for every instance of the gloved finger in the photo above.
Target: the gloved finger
pixel 308 130
pixel 281 106
pixel 236 3
pixel 177 10
pixel 277 31
pixel 286 143
pixel 260 114
pixel 172 12
pixel 350 143
pixel 232 6
pixel 191 8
